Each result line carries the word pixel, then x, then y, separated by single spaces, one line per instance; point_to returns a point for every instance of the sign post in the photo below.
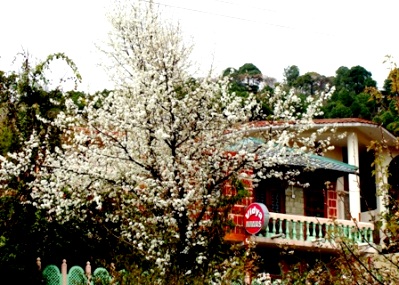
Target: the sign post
pixel 256 218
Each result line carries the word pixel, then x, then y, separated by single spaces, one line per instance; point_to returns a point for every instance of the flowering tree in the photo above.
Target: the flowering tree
pixel 149 160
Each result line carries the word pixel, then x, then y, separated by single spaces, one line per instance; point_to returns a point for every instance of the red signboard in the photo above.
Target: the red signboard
pixel 256 218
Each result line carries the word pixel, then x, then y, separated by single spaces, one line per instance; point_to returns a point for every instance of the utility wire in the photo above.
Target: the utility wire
pixel 239 18
pixel 252 7
pixel 220 15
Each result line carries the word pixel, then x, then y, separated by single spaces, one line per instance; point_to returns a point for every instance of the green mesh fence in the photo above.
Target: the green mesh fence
pixel 76 276
pixel 52 275
pixel 101 277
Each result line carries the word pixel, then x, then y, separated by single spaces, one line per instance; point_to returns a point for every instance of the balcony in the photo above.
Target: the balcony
pixel 312 233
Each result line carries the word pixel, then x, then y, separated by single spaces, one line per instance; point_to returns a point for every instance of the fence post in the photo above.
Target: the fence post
pixel 39 264
pixel 88 272
pixel 64 271
pixel 113 273
pixel 38 274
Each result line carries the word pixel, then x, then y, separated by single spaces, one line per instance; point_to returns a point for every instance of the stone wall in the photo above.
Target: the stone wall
pixel 294 202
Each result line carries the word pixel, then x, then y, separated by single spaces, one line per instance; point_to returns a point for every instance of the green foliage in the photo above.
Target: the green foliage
pixel 393 127
pixel 247 80
pixel 311 83
pixel 7 138
pixel 249 70
pixel 244 80
pixel 129 271
pixel 355 79
pixel 350 98
pixel 363 106
pixel 28 106
pixel 233 268
pixel 385 103
pixel 291 74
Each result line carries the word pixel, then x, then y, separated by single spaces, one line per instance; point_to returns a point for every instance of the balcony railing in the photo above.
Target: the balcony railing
pixel 304 231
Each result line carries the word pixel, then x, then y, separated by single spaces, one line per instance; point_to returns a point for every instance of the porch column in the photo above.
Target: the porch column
pixel 353 179
pixel 381 180
pixel 341 198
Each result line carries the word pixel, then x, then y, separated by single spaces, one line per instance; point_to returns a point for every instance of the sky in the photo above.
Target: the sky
pixel 315 35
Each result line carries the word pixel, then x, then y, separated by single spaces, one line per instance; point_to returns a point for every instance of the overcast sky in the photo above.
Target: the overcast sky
pixel 315 35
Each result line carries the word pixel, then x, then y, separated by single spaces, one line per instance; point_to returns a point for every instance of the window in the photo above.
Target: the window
pixel 315 202
pixel 271 192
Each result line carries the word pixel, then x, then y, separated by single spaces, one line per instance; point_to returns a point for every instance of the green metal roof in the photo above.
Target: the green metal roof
pixel 306 160
pixel 321 162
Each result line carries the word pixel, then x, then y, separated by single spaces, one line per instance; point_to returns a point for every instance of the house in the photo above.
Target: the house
pixel 345 195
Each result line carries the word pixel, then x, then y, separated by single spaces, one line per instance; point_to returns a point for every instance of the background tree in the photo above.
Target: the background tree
pixel 387 102
pixel 291 73
pixel 250 76
pixel 349 99
pixel 311 83
pixel 248 79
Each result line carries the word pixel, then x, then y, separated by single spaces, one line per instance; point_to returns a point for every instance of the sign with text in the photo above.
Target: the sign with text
pixel 256 218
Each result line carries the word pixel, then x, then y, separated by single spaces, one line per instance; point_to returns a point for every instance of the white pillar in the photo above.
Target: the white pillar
pixel 341 198
pixel 381 180
pixel 354 183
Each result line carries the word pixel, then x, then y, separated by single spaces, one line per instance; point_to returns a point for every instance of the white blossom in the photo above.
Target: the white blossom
pixel 152 156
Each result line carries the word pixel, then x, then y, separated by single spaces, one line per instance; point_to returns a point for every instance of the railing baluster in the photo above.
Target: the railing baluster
pixel 315 226
pixel 350 237
pixel 357 234
pixel 342 231
pixel 268 233
pixel 320 233
pixel 287 229
pixel 274 227
pixel 346 231
pixel 307 230
pixel 327 232
pixel 312 230
pixel 294 237
pixel 331 232
pixel 301 238
pixel 370 237
pixel 280 229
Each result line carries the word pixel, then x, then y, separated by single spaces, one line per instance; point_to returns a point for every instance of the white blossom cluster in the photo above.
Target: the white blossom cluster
pixel 150 159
